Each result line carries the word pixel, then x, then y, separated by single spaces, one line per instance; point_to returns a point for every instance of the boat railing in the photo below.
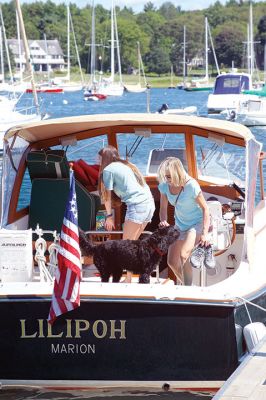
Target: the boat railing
pixel 48 264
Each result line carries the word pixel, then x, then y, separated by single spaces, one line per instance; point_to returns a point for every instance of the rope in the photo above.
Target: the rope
pixel 251 303
pixel 41 246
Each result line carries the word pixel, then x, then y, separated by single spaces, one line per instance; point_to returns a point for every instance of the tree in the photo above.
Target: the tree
pixel 261 38
pixel 169 11
pixel 149 7
pixel 229 45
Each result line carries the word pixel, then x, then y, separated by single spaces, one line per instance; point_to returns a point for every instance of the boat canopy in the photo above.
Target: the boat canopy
pixel 60 128
pixel 231 84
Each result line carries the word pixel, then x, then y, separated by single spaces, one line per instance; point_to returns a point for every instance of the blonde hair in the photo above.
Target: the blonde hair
pixel 110 154
pixel 173 167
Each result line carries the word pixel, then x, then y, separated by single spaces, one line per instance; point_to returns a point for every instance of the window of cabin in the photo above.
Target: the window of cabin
pixel 219 162
pixel 147 150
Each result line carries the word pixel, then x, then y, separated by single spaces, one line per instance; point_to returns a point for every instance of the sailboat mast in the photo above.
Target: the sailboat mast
pixel 2 74
pixel 68 43
pixel 47 65
pixel 92 80
pixel 27 54
pixel 6 46
pixel 77 51
pixel 117 48
pixel 213 50
pixel 184 55
pixel 251 54
pixel 139 66
pixel 19 50
pixel 206 50
pixel 112 43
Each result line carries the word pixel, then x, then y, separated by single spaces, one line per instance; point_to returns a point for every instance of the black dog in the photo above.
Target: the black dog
pixel 138 256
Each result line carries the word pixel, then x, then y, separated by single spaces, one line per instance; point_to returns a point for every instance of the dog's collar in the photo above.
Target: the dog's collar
pixel 159 251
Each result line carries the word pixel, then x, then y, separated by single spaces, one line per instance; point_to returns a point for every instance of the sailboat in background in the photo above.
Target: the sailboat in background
pixel 108 86
pixel 204 83
pixel 91 92
pixel 138 87
pixel 172 86
pixel 65 82
pixel 11 113
pixel 181 85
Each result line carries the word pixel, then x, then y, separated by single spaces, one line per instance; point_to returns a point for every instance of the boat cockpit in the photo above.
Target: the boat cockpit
pixel 35 183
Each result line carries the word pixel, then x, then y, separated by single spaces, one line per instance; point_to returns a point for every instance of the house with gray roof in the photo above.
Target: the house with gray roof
pixel 46 55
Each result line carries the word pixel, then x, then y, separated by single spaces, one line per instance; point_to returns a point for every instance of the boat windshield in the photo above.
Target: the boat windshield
pixel 220 162
pixel 231 84
pixel 147 152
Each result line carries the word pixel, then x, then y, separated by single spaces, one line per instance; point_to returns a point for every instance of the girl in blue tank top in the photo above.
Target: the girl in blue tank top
pixel 126 181
pixel 191 214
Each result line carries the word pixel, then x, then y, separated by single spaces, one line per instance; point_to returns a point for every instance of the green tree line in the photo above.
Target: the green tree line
pixel 159 31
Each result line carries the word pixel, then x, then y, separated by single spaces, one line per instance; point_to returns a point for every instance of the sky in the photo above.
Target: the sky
pixel 137 5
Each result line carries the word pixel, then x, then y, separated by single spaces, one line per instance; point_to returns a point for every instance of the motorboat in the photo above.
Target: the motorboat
pixel 91 95
pixel 252 112
pixel 228 92
pixel 156 335
pixel 189 110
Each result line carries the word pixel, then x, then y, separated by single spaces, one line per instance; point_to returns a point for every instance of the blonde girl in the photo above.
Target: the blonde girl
pixel 191 214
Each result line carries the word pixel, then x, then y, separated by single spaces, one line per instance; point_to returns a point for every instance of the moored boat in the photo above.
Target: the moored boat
pixel 46 88
pixel 129 334
pixel 229 91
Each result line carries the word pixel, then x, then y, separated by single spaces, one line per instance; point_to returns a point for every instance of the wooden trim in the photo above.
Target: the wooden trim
pixel 13 213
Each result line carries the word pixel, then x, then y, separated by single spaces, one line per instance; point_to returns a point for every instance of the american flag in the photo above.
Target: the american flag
pixel 68 274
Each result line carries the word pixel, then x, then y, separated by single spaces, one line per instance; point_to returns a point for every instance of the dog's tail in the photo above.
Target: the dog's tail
pixel 85 244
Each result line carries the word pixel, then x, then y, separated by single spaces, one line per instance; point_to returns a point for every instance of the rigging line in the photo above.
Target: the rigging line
pixel 134 146
pixel 209 155
pixel 164 140
pixel 86 145
pixel 251 303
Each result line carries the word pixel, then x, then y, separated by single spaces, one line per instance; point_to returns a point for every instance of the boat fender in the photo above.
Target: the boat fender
pixel 253 334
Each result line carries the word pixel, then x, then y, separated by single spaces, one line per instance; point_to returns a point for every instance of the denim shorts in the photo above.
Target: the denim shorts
pixel 197 228
pixel 140 213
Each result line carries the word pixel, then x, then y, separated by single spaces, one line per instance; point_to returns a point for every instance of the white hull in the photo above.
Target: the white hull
pixel 135 88
pixel 252 112
pixel 110 89
pixel 71 88
pixel 220 102
pixel 182 111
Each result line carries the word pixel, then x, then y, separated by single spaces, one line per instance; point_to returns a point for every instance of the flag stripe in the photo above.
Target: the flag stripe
pixel 66 295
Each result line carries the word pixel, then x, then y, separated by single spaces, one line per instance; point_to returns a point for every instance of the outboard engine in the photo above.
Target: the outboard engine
pixel 231 115
pixel 163 108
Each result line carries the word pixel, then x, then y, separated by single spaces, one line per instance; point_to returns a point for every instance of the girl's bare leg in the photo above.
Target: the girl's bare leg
pixel 178 254
pixel 187 248
pixel 132 231
pixel 174 261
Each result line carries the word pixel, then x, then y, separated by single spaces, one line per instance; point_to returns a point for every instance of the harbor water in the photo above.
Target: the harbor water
pixel 72 104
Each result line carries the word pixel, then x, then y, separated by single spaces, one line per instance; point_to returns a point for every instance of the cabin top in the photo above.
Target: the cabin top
pixel 81 125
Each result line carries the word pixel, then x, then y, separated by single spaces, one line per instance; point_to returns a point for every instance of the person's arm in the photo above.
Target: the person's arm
pixel 206 219
pixel 163 210
pixel 109 222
